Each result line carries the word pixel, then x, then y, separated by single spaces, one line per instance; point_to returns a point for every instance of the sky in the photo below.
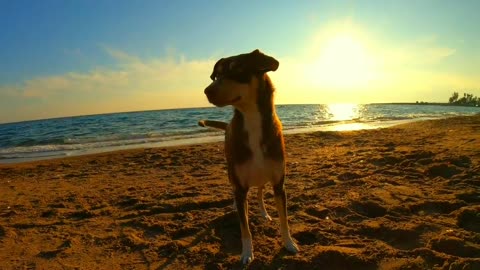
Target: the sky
pixel 66 58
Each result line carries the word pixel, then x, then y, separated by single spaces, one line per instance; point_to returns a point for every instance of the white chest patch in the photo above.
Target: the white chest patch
pixel 258 170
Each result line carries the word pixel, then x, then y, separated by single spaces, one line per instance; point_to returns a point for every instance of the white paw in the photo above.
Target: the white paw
pixel 247 251
pixel 266 216
pixel 246 258
pixel 291 247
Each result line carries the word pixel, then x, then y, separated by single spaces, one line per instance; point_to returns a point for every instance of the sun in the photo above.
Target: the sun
pixel 343 61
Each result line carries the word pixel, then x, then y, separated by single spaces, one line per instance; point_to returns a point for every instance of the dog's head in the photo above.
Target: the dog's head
pixel 235 78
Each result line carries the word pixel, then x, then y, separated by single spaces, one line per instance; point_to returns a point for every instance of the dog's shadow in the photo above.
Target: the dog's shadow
pixel 225 230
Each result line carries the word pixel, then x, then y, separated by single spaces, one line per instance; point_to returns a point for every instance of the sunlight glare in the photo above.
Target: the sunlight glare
pixel 343 112
pixel 346 114
pixel 343 62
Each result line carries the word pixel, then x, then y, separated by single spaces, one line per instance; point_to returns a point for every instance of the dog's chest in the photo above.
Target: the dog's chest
pixel 258 169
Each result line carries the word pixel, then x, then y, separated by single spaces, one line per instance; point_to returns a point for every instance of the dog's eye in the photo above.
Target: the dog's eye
pixel 241 77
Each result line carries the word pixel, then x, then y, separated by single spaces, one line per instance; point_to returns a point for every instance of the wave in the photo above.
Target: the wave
pixel 69 136
pixel 55 147
pixel 99 143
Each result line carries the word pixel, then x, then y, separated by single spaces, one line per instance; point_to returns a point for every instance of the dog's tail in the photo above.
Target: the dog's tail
pixel 213 124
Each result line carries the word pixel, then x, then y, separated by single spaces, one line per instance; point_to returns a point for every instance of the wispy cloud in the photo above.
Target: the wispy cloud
pixel 120 55
pixel 401 72
pixel 133 84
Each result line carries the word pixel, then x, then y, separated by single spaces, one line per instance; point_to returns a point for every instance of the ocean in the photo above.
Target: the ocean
pixel 70 136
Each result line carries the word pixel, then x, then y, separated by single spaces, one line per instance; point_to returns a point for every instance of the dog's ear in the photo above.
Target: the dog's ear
pixel 262 62
pixel 216 69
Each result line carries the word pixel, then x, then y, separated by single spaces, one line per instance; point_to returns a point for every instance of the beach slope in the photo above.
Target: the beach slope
pixel 405 197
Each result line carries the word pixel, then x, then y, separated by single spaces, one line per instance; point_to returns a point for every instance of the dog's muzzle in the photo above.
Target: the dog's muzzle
pixel 209 91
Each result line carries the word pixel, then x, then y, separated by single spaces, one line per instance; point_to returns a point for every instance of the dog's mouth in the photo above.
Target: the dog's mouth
pixel 220 103
pixel 236 99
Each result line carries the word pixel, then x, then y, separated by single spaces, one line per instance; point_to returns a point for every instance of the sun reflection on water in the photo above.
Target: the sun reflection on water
pixel 343 112
pixel 345 115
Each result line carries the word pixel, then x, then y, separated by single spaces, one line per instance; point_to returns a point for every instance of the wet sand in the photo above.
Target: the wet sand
pixel 405 197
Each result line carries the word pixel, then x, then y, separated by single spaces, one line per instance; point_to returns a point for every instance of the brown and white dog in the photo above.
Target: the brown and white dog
pixel 254 144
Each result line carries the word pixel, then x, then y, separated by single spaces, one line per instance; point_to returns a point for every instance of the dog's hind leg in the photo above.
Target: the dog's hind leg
pixel 281 202
pixel 263 211
pixel 242 210
pixel 234 205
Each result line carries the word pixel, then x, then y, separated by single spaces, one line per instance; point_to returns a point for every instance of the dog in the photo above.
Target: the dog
pixel 254 145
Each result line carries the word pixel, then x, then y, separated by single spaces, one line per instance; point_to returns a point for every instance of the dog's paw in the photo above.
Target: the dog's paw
pixel 266 216
pixel 292 247
pixel 246 258
pixel 247 251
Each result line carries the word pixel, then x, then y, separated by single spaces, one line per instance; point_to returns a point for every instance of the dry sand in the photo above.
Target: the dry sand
pixel 406 197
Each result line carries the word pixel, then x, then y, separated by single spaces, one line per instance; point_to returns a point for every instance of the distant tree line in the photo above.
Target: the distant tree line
pixel 466 100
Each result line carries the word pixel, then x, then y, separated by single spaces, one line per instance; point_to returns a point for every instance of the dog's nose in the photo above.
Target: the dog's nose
pixel 209 90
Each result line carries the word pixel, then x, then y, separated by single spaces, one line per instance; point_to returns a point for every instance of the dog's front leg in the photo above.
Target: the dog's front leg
pixel 242 210
pixel 281 202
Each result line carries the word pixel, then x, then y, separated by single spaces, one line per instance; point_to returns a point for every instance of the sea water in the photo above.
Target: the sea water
pixel 79 135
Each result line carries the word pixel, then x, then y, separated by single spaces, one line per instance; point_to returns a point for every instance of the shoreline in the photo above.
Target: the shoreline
pixel 338 126
pixel 404 197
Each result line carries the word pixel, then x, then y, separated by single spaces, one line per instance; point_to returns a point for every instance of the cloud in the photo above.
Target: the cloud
pixel 417 56
pixel 428 49
pixel 120 55
pixel 132 84
pixel 400 72
pixel 436 54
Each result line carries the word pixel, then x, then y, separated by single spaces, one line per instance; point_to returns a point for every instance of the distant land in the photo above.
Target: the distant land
pixel 468 100
pixel 425 103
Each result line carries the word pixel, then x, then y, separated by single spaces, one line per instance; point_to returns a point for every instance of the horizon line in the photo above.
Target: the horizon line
pixel 189 108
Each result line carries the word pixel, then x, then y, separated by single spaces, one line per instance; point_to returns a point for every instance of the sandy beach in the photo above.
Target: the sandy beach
pixel 405 197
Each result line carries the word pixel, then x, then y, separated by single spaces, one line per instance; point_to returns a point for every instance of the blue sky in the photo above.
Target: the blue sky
pixel 62 58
